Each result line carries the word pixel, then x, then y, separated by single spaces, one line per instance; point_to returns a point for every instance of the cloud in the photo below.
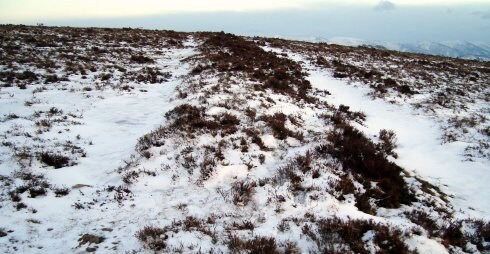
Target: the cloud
pixel 384 5
pixel 482 14
pixel 54 9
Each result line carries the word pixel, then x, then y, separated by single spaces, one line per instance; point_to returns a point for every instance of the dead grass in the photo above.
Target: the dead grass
pixel 338 236
pixel 362 158
pixel 234 54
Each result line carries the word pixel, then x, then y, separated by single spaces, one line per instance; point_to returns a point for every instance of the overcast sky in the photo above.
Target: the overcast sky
pixel 385 20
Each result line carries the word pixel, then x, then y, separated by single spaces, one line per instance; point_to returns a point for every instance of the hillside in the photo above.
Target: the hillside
pixel 148 141
pixel 457 49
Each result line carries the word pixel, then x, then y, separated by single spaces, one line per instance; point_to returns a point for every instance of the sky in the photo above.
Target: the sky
pixel 374 20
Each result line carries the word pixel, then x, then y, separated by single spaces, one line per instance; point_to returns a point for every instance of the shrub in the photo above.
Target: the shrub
pixel 228 123
pixel 192 118
pixel 129 177
pixel 339 75
pixel 387 142
pixel 54 160
pixel 148 75
pixel 258 245
pixel 291 173
pixel 29 176
pixel 36 191
pixel 153 238
pixel 343 115
pixel 141 59
pixel 146 154
pixel 254 134
pixel 61 191
pixel 277 123
pixel 242 192
pixel 191 222
pixel 186 115
pixel 153 138
pixel 360 156
pixel 105 76
pixel 261 158
pixel 26 75
pixel 389 241
pixel 424 220
pixel 19 206
pixel 43 123
pixel 55 111
pixel 244 225
pixel 452 234
pixel 338 236
pixel 90 239
pixel 10 116
pixel 303 162
pixel 480 235
pixel 51 79
pixel 477 231
pixel 2 232
pixel 294 170
pixel 14 196
pixel 345 185
pixel 207 167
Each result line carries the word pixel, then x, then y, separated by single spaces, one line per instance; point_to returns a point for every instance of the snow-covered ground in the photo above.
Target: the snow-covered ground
pixel 419 146
pixel 112 121
pixel 116 191
pixel 420 149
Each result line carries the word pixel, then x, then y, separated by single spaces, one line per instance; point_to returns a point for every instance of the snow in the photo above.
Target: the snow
pixel 347 41
pixel 419 145
pixel 269 141
pixel 368 238
pixel 113 125
pixel 112 121
pixel 227 174
pixel 461 49
pixel 424 245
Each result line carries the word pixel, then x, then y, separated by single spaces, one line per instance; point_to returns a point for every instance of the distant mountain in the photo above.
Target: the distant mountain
pixel 458 49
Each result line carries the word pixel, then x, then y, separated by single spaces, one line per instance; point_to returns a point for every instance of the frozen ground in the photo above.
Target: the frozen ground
pixel 420 149
pixel 236 164
pixel 112 121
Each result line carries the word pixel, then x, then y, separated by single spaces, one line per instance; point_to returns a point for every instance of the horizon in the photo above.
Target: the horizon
pixel 399 21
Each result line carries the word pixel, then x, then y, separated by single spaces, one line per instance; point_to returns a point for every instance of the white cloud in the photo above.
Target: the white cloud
pixel 19 10
pixel 439 2
pixel 384 5
pixel 22 9
pixel 482 14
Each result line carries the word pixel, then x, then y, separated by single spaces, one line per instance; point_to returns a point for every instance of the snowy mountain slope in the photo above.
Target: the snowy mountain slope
pixel 452 49
pixel 122 140
pixel 419 140
pixel 453 91
pixel 457 49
